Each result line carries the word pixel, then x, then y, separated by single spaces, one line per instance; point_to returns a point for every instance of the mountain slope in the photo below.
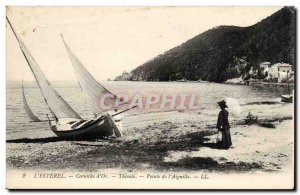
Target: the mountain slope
pixel 225 52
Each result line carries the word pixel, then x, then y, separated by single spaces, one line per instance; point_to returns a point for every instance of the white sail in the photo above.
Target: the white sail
pixel 27 109
pixel 90 85
pixel 59 107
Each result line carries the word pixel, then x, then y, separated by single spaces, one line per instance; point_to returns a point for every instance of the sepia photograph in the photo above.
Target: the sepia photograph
pixel 150 97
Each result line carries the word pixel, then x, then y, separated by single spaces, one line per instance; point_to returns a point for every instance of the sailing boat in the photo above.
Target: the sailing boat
pixel 93 89
pixel 68 123
pixel 28 111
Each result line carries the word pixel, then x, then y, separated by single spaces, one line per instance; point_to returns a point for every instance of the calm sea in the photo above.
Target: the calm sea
pixel 18 125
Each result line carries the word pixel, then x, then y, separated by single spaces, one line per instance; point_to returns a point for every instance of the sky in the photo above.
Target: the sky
pixel 109 40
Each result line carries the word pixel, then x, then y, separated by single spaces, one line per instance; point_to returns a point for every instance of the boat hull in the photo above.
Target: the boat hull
pixel 98 129
pixel 287 98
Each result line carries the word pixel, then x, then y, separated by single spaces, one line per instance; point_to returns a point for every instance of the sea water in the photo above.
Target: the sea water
pixel 19 126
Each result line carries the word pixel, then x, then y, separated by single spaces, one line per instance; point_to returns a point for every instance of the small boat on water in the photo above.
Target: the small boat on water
pixel 68 123
pixel 182 80
pixel 201 81
pixel 287 98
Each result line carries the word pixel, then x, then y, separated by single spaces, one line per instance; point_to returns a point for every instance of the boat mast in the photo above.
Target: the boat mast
pixel 20 44
pixel 287 80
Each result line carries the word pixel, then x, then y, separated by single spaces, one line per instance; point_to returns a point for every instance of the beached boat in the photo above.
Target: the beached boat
pixel 67 122
pixel 83 129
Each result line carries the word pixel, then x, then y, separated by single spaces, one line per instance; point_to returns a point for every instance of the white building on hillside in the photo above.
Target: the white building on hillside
pixel 265 66
pixel 280 71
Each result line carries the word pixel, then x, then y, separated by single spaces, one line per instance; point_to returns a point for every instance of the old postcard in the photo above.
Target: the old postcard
pixel 150 97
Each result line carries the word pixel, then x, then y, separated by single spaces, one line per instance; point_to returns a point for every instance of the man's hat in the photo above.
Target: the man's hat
pixel 222 103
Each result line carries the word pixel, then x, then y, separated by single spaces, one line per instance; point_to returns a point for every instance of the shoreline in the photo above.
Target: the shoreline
pixel 147 145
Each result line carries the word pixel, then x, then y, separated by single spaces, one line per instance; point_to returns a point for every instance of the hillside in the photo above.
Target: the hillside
pixel 225 52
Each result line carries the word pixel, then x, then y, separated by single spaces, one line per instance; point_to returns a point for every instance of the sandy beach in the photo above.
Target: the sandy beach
pixel 169 141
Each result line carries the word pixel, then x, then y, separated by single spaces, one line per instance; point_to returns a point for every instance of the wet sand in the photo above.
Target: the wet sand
pixel 171 141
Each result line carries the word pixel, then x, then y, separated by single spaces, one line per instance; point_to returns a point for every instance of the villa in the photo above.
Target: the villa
pixel 280 71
